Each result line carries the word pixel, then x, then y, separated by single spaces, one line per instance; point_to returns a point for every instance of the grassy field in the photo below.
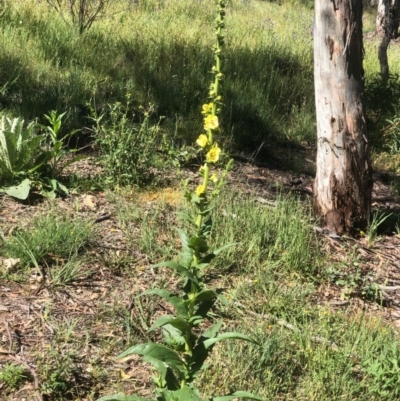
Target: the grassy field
pixel 71 269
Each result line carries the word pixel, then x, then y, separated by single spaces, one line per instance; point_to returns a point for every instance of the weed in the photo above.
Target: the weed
pixel 12 375
pixel 50 237
pixel 181 357
pixel 68 272
pixel 130 154
pixel 372 233
pixel 383 372
pixel 57 372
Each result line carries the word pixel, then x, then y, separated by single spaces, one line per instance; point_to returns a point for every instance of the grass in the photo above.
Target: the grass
pixel 51 240
pixel 271 278
pixel 83 309
pixel 56 68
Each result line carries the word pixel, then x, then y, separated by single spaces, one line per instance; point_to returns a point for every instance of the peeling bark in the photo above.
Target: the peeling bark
pixel 343 183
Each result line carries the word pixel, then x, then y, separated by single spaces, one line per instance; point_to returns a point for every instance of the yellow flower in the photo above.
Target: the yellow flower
pixel 202 140
pixel 213 154
pixel 206 108
pixel 214 178
pixel 200 190
pixel 211 122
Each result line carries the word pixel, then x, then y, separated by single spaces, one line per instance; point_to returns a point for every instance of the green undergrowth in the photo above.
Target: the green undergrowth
pixel 47 238
pixel 271 278
pixel 308 350
pixel 53 67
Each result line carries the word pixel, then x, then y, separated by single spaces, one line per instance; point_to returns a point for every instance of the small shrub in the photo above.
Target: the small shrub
pixel 129 153
pixel 83 13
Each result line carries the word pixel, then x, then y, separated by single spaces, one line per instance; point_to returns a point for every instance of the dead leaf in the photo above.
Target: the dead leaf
pixel 89 201
pixel 10 263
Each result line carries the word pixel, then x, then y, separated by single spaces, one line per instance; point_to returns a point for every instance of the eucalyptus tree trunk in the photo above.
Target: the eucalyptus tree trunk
pixel 387 22
pixel 343 183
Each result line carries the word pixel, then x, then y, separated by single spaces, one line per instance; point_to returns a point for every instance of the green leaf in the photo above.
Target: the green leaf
pixel 123 397
pixel 166 373
pixel 237 394
pixel 172 299
pixel 63 188
pixel 213 330
pixel 173 337
pixel 206 295
pixel 219 250
pixel 178 323
pixel 198 243
pixel 196 320
pixel 159 352
pixel 20 191
pixel 228 336
pixel 183 394
pixel 181 270
pixel 187 253
pixel 187 217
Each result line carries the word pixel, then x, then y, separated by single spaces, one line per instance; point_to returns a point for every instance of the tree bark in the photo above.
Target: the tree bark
pixel 343 183
pixel 383 32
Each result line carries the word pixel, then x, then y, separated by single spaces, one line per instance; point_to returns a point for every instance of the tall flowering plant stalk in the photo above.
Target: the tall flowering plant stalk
pixel 186 344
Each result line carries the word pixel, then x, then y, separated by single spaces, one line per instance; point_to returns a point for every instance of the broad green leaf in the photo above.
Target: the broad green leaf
pixel 51 194
pixel 237 394
pixel 182 270
pixel 123 397
pixel 198 243
pixel 174 337
pixel 159 352
pixel 206 295
pixel 20 191
pixel 187 253
pixel 202 266
pixel 200 352
pixel 183 394
pixel 178 323
pixel 213 330
pixel 172 299
pixel 204 306
pixel 41 159
pixel 223 248
pixel 195 320
pixel 166 373
pixel 63 188
pixel 208 258
pixel 228 336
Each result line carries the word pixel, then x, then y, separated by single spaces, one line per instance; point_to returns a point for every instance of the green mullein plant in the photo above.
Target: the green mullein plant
pixel 187 344
pixel 20 156
pixel 56 152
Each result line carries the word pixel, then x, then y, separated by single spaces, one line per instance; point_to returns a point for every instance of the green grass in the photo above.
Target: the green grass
pixel 133 53
pixel 50 237
pixel 11 376
pixel 271 277
pixel 268 91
